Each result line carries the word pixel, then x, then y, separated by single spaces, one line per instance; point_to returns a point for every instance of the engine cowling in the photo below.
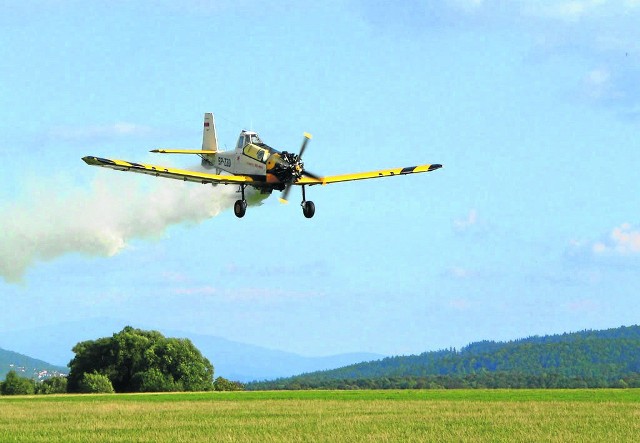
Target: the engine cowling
pixel 285 166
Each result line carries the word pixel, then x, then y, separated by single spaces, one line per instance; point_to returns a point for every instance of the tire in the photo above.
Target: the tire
pixel 308 209
pixel 240 208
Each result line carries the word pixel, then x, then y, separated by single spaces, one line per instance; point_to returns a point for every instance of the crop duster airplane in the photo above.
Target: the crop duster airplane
pixel 251 163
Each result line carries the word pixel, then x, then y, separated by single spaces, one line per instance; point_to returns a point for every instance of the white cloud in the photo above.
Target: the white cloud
pixel 250 294
pixel 460 273
pixel 598 85
pixel 196 290
pixel 467 222
pixel 623 240
pixel 465 273
pixel 566 277
pixel 174 277
pixel 571 11
pixel 598 77
pixel 583 305
pixel 603 35
pixel 460 304
pixel 619 248
pixel 115 130
pixel 467 5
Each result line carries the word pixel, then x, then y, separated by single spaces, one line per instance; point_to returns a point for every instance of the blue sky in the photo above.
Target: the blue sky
pixel 531 227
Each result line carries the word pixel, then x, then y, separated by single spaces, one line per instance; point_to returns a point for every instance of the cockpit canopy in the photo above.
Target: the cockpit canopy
pixel 246 138
pixel 252 146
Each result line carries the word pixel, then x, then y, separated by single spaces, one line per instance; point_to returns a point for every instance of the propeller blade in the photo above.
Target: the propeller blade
pixel 296 162
pixel 307 137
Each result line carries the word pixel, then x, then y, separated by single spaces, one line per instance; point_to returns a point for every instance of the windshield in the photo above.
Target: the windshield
pixel 253 151
pixel 248 138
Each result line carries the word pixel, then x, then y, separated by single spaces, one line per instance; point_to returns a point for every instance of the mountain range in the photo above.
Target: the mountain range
pixel 231 360
pixel 595 358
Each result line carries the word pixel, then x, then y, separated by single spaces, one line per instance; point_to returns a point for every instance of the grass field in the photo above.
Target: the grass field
pixel 434 415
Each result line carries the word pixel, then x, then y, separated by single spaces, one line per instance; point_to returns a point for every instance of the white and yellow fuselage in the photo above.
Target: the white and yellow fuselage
pixel 269 168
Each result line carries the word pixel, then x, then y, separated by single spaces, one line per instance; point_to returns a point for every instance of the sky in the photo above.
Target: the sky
pixel 532 226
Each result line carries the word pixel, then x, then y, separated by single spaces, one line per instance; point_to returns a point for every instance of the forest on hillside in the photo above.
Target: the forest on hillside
pixel 607 358
pixel 27 366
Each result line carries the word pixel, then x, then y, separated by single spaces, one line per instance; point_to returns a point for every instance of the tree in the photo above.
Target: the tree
pixel 15 385
pixel 53 385
pixel 222 384
pixel 95 383
pixel 154 380
pixel 90 356
pixel 135 360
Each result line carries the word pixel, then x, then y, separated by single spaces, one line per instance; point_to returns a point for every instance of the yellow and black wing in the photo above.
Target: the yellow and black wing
pixel 366 175
pixel 178 174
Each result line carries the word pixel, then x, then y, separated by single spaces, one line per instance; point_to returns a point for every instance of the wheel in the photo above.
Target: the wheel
pixel 239 208
pixel 308 209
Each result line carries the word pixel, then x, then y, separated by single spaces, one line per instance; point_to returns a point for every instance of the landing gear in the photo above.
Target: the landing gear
pixel 308 208
pixel 240 206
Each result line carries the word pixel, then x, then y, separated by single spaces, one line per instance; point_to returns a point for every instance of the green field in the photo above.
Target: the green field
pixel 430 415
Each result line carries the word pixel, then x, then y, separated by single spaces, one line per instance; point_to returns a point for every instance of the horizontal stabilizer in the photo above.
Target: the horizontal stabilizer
pixel 180 151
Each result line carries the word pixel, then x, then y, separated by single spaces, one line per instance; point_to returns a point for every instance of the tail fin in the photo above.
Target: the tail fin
pixel 209 137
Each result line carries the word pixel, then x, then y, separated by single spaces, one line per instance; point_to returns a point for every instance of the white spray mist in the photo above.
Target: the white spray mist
pixel 100 220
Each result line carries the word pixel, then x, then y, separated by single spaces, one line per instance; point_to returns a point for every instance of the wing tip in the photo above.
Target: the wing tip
pixel 434 167
pixel 97 161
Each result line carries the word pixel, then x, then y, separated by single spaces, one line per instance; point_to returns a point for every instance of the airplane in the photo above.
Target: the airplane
pixel 251 163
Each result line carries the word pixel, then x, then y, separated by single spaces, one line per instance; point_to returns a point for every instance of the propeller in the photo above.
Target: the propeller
pixel 295 163
pixel 305 142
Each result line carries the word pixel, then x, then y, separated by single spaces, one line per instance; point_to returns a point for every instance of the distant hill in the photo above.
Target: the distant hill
pixel 27 366
pixel 231 360
pixel 243 362
pixel 596 357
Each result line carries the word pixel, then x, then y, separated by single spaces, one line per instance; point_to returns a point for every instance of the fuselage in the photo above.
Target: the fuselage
pixel 252 157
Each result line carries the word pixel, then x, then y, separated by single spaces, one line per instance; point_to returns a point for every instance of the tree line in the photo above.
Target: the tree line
pixel 585 358
pixel 486 380
pixel 134 360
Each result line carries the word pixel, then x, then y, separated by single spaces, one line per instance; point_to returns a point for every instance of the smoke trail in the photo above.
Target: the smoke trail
pixel 99 221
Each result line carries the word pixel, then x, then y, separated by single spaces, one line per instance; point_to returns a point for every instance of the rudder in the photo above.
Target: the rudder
pixel 209 136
